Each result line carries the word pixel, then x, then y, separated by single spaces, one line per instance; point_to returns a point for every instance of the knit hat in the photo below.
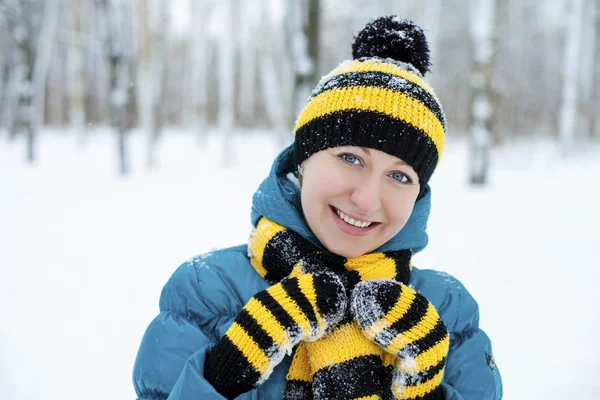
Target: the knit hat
pixel 379 100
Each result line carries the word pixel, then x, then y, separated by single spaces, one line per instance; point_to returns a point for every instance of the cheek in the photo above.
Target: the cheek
pixel 399 212
pixel 323 186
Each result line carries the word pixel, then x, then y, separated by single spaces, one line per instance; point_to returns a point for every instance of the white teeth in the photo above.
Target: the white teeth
pixel 351 221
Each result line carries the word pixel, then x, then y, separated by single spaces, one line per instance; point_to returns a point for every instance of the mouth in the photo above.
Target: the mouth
pixel 351 226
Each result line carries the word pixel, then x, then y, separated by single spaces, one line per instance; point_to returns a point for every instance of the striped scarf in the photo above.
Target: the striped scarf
pixel 345 363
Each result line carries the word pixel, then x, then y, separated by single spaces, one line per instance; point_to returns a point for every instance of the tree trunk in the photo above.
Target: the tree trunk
pixel 199 61
pixel 75 69
pixel 433 11
pixel 120 75
pixel 481 107
pixel 270 82
pixel 21 75
pixel 595 118
pixel 153 75
pixel 571 65
pixel 40 70
pixel 247 22
pixel 303 41
pixel 226 113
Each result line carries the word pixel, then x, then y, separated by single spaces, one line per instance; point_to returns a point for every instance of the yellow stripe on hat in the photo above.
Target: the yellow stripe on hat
pixel 370 98
pixel 249 348
pixel 265 230
pixel 419 331
pixel 345 343
pixel 385 67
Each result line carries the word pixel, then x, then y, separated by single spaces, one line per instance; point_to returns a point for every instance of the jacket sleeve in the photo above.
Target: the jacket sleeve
pixel 170 360
pixel 471 372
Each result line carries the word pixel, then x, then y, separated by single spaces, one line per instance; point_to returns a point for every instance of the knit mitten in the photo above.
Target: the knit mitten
pixel 269 326
pixel 404 323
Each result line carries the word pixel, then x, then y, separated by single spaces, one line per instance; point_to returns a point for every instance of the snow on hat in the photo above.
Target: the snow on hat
pixel 379 100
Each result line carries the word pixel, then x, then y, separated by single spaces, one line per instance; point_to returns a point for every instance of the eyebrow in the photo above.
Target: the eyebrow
pixel 366 150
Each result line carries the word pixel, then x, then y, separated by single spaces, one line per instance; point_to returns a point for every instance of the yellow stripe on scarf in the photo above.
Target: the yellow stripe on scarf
pixel 260 237
pixel 373 266
pixel 300 368
pixel 345 343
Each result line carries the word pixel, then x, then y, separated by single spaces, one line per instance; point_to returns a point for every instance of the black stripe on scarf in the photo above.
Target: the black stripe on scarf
pixel 364 378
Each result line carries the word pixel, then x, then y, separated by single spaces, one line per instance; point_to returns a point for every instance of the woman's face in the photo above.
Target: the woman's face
pixel 355 199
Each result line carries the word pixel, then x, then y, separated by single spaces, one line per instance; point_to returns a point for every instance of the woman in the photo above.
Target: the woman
pixel 323 301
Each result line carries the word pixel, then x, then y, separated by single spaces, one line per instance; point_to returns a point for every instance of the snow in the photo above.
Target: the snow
pixel 84 254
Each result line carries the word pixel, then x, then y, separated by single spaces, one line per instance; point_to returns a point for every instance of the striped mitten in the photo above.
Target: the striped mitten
pixel 404 323
pixel 269 326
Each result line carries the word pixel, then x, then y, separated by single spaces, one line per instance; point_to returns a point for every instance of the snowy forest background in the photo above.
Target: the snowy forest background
pixel 133 134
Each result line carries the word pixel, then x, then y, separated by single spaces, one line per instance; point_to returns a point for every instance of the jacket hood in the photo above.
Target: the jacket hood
pixel 278 199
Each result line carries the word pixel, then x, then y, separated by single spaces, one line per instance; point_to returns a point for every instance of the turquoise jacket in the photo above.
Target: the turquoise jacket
pixel 205 294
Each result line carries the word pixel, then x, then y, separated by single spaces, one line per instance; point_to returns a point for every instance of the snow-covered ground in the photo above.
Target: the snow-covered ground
pixel 84 255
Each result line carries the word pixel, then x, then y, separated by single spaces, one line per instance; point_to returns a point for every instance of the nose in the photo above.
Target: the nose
pixel 366 195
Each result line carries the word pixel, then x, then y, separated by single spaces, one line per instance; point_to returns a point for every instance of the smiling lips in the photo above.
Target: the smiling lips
pixel 350 225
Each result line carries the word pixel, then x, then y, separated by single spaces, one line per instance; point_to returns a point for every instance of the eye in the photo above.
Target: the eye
pixel 350 158
pixel 400 177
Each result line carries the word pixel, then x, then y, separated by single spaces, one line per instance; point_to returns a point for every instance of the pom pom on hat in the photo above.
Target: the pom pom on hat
pixel 395 38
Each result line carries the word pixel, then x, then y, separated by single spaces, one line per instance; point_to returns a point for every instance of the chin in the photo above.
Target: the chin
pixel 347 251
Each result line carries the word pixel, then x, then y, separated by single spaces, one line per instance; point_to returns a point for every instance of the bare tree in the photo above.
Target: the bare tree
pixel 199 55
pixel 115 17
pixel 75 67
pixel 587 67
pixel 226 60
pixel 302 29
pixel 595 79
pixel 41 66
pixel 480 131
pixel 153 26
pixel 271 82
pixel 21 72
pixel 432 18
pixel 571 66
pixel 247 61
